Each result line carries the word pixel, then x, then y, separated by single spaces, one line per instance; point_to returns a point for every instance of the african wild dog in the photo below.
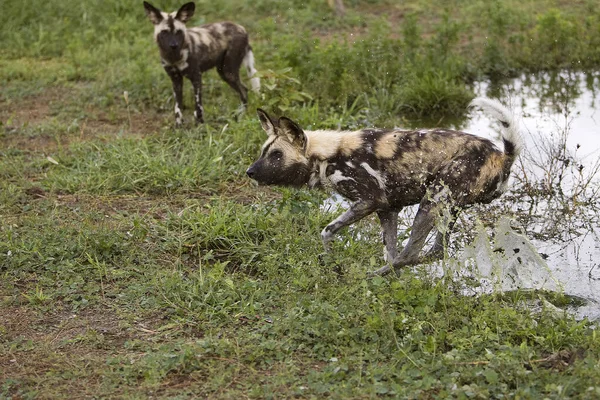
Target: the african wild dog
pixel 187 52
pixel 383 171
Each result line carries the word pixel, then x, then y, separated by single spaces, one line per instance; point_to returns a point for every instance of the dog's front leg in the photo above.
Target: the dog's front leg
pixel 389 231
pixel 197 84
pixel 356 212
pixel 177 81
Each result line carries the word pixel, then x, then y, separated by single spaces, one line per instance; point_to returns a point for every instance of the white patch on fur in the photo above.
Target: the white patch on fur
pixel 442 196
pixel 502 186
pixel 182 64
pixel 221 38
pixel 495 109
pixel 387 257
pixel 219 28
pixel 338 177
pixel 248 62
pixel 327 236
pixel 178 115
pixel 270 140
pixel 375 174
pixel 202 35
pixel 317 176
pixel 322 173
pixel 164 26
pixel 291 154
pixel 350 164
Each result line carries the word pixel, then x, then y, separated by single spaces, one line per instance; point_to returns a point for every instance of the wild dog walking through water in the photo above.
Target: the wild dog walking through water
pixel 383 171
pixel 188 52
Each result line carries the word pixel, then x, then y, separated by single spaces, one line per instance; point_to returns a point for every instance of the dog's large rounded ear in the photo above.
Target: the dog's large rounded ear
pixel 293 131
pixel 153 13
pixel 266 122
pixel 185 12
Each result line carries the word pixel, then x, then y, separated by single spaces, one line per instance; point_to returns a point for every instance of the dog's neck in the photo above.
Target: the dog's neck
pixel 322 146
pixel 180 64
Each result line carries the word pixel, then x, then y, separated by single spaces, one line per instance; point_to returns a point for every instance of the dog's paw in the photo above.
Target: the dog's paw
pixel 325 258
pixel 380 272
pixel 433 255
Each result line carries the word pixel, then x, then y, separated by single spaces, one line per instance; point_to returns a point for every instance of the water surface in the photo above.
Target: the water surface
pixel 561 128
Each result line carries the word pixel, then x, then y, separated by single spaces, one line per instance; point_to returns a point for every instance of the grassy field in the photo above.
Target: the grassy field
pixel 137 260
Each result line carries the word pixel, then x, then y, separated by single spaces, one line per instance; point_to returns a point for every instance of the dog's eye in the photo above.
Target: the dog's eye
pixel 276 154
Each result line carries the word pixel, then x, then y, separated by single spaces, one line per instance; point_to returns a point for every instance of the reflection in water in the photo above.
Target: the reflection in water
pixel 556 180
pixel 550 104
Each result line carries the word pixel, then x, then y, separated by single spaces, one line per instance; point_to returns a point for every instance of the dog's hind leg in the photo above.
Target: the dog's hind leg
pixel 389 230
pixel 441 239
pixel 355 213
pixel 423 224
pixel 229 71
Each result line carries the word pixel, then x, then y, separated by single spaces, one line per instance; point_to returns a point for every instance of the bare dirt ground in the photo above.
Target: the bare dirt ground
pixel 24 115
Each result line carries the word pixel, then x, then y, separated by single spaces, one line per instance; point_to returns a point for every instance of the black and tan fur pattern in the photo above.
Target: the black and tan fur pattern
pixel 381 171
pixel 188 52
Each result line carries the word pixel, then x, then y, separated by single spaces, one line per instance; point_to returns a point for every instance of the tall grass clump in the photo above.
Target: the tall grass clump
pixel 387 78
pixel 237 235
pixel 556 39
pixel 188 160
pixel 434 79
pixel 559 39
pixel 500 38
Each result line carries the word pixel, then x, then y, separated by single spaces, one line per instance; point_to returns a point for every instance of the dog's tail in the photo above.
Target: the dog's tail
pixel 248 62
pixel 511 136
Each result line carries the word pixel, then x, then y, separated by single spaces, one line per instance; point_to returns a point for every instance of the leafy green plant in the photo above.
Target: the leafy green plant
pixel 281 92
pixel 434 94
pixel 556 38
pixel 37 296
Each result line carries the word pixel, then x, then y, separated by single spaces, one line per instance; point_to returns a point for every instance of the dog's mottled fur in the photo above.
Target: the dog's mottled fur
pixel 188 52
pixel 382 171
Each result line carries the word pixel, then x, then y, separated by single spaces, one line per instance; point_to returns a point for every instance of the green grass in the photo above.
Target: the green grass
pixel 137 260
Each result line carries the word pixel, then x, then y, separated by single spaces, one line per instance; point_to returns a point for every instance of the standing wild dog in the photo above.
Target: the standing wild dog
pixel 383 171
pixel 191 51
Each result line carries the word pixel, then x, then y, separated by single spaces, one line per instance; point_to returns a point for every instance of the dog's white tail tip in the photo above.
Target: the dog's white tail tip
pixel 498 111
pixel 248 62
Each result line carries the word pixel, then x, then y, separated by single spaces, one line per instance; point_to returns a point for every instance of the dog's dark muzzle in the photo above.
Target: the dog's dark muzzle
pixel 251 171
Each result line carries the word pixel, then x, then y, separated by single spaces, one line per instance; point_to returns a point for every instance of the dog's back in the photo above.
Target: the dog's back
pixel 210 42
pixel 397 167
